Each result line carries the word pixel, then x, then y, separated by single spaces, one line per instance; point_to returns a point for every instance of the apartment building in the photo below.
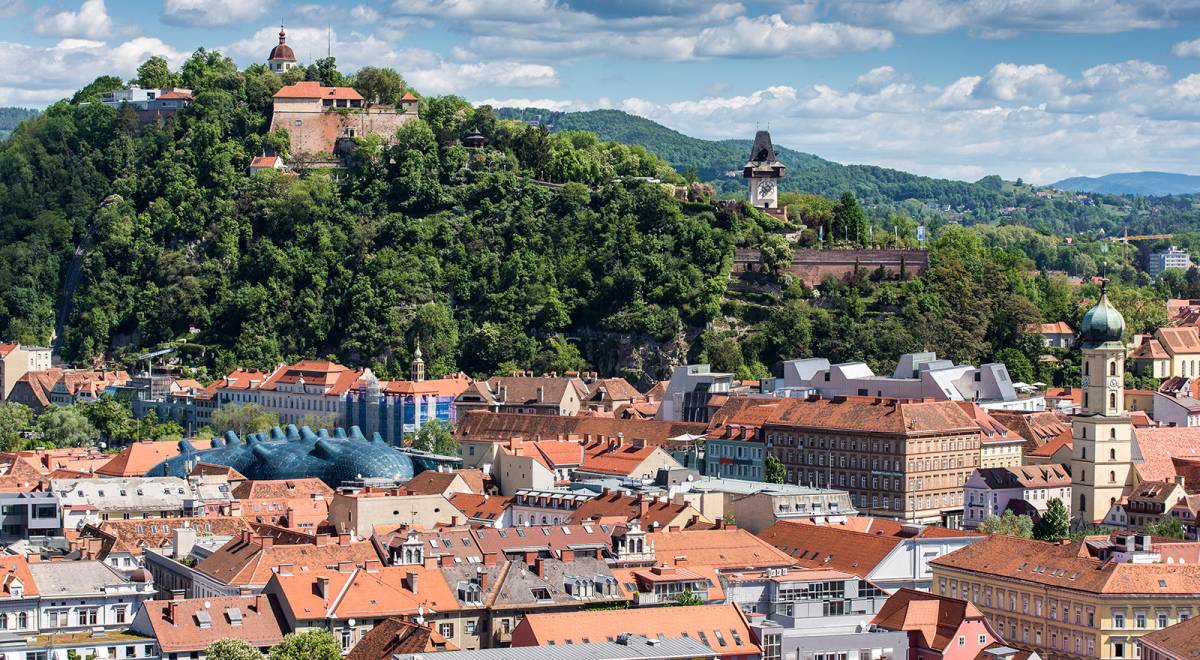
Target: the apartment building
pixel 16 361
pixel 1084 599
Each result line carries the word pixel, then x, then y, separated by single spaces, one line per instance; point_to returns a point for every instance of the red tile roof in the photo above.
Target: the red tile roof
pixel 864 414
pixel 1159 445
pixel 618 507
pixel 711 624
pixel 138 457
pixel 934 620
pixel 849 550
pixel 310 89
pixel 1149 349
pixel 720 548
pixel 132 536
pixel 395 636
pixel 281 488
pixel 252 561
pixel 1180 340
pixel 612 459
pixel 176 624
pixel 265 161
pixel 481 507
pixel 482 425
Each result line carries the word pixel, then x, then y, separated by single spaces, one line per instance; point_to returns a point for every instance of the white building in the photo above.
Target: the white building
pixel 1172 257
pixel 1176 410
pixel 1026 489
pixel 917 376
pixel 126 498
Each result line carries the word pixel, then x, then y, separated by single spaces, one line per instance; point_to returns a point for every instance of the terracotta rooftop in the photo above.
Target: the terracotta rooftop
pixel 395 636
pixel 614 459
pixel 367 592
pixel 1047 450
pixel 827 546
pixel 133 536
pixel 866 414
pixel 1179 340
pixel 1037 428
pixel 15 570
pixel 1049 475
pixel 281 488
pixel 138 457
pixel 251 560
pixel 183 626
pixel 265 161
pixel 934 619
pixel 1069 566
pixel 554 538
pixel 618 507
pixel 481 507
pixel 725 548
pixel 1149 349
pixel 1181 640
pixel 722 627
pixel 991 430
pixel 309 89
pixel 1158 446
pixel 430 482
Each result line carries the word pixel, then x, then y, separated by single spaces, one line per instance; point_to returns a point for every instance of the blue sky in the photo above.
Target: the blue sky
pixel 1039 89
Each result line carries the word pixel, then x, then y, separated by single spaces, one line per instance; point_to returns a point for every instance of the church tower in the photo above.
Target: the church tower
pixel 762 173
pixel 1102 435
pixel 282 58
pixel 416 371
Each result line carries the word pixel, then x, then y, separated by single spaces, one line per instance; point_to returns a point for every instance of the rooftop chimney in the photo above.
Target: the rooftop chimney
pixel 344 539
pixel 412 581
pixel 322 540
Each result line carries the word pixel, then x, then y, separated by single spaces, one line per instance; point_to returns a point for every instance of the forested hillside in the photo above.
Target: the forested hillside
pixel 933 201
pixel 10 117
pixel 469 251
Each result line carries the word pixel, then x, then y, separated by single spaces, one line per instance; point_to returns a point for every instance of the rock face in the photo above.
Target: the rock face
pixel 297 453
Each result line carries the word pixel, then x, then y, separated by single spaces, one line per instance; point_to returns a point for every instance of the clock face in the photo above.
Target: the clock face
pixel 1114 382
pixel 765 188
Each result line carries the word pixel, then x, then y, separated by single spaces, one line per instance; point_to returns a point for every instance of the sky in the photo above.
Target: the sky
pixel 1037 89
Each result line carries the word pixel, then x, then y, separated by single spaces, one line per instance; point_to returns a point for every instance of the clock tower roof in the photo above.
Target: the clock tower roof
pixel 764 160
pixel 1102 324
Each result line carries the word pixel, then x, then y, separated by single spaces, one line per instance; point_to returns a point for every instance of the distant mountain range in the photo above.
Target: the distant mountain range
pixel 1134 183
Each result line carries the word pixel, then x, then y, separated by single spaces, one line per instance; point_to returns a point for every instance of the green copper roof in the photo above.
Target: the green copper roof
pixel 1102 323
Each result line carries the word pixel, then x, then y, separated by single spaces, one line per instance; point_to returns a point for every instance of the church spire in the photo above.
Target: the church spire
pixel 417 369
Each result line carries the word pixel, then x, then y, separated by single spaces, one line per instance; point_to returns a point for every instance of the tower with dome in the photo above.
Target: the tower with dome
pixel 1102 434
pixel 282 58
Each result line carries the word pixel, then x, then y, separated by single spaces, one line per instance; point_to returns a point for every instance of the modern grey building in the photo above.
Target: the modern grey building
pixel 1170 258
pixel 29 514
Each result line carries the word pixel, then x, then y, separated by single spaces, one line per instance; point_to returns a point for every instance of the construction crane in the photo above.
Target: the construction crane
pixel 149 358
pixel 1143 237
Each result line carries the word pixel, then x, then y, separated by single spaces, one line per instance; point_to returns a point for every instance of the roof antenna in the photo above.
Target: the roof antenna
pixel 328 40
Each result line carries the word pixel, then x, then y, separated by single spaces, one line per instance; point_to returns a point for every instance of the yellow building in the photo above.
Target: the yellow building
pixel 1083 599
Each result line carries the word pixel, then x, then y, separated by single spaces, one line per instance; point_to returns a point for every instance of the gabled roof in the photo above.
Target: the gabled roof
pixel 481 508
pixel 991 430
pixel 827 546
pixel 1149 349
pixel 265 161
pixel 14 570
pixel 1047 450
pixel 431 482
pixel 1059 328
pixel 395 636
pixel 933 620
pixel 619 507
pixel 479 425
pixel 615 459
pixel 725 548
pixel 554 538
pixel 1049 475
pixel 138 457
pixel 281 488
pixel 1181 640
pixel 1179 340
pixel 873 415
pixel 310 89
pixel 722 627
pixel 251 560
pixel 642 579
pixel 176 624
pixel 132 536
pixel 1159 445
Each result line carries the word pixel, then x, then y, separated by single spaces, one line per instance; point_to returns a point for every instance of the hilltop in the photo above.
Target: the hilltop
pixel 1134 183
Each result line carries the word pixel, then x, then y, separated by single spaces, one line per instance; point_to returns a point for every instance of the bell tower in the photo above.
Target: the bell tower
pixel 416 370
pixel 1102 434
pixel 762 173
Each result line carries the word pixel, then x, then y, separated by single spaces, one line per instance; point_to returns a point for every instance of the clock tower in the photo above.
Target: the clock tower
pixel 1102 434
pixel 763 172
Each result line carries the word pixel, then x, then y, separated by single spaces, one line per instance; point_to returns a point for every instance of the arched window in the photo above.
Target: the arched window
pixel 1112 454
pixel 1112 368
pixel 1085 367
pixel 1082 502
pixel 1083 451
pixel 1085 400
pixel 1112 434
pixel 1112 399
pixel 1112 476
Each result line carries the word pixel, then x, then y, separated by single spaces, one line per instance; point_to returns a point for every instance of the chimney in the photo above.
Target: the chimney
pixel 266 541
pixel 260 603
pixel 541 394
pixel 539 567
pixel 412 581
pixel 171 606
pixel 372 565
pixel 431 561
pixel 344 539
pixel 643 506
pixel 490 558
pixel 1179 480
pixel 1130 542
pixel 322 586
pixel 567 555
pixel 500 393
pixel 446 561
pixel 1146 543
pixel 322 540
pixel 483 580
pixel 531 557
pixel 454 521
pixel 681 560
pixel 346 566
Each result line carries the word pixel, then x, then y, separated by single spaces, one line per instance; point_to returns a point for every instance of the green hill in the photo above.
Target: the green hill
pixel 10 117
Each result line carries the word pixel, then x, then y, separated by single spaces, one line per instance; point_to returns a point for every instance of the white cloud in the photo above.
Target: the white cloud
pixel 1186 48
pixel 213 13
pixel 1004 18
pixel 1016 120
pixel 557 105
pixel 438 76
pixel 92 21
pixel 770 36
pixel 364 14
pixel 47 74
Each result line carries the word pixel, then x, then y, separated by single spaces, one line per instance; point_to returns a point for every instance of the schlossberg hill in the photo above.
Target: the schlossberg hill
pixel 989 200
pixel 540 250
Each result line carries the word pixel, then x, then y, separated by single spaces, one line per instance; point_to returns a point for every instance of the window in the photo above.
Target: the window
pixel 446 630
pixel 1118 649
pixel 88 616
pixel 1118 619
pixel 119 614
pixel 983 639
pixel 1139 619
pixel 347 638
pixel 1162 619
pixel 962 641
pixel 469 627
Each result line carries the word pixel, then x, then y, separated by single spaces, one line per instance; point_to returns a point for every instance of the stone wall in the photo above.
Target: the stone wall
pixel 812 266
pixel 317 132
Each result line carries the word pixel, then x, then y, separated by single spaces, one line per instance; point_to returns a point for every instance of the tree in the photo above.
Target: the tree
pixel 155 73
pixel 1055 523
pixel 1009 524
pixel 316 421
pixel 96 89
pixel 688 597
pixel 112 417
pixel 1020 369
pixel 243 419
pixel 1167 527
pixel 326 72
pixel 62 426
pixel 776 254
pixel 434 436
pixel 380 85
pixel 774 473
pixel 849 223
pixel 231 649
pixel 309 645
pixel 15 419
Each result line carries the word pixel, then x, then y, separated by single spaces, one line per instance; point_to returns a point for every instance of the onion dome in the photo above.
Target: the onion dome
pixel 282 52
pixel 1102 324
